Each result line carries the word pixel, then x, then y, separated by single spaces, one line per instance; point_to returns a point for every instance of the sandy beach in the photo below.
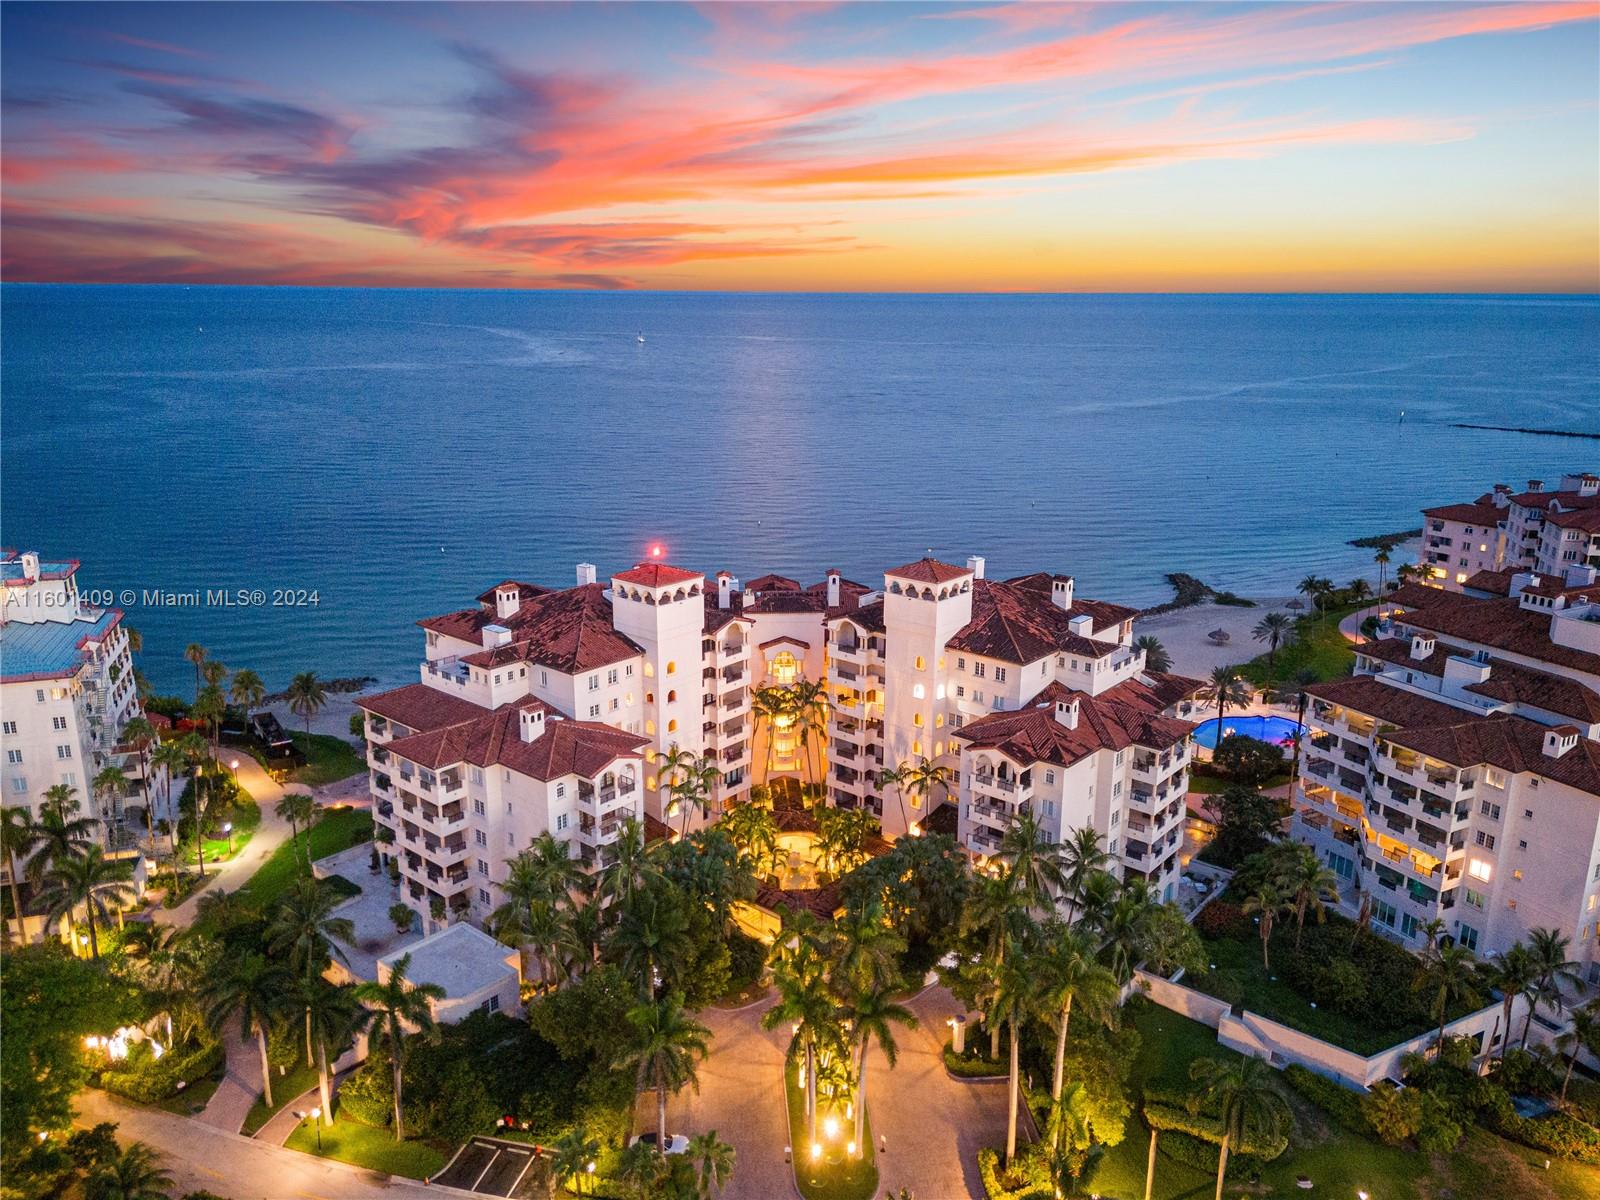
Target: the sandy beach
pixel 1184 633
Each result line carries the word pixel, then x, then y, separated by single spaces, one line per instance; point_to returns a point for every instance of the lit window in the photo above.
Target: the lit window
pixel 672 726
pixel 916 719
pixel 672 668
pixel 921 663
pixel 918 692
pixel 1479 869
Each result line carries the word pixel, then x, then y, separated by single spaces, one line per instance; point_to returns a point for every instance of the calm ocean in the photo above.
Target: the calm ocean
pixel 398 451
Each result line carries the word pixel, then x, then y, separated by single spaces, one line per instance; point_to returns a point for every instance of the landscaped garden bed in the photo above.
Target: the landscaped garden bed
pixel 834 1173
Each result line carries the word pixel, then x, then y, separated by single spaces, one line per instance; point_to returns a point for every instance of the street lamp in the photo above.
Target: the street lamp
pixel 227 828
pixel 233 765
pixel 316 1120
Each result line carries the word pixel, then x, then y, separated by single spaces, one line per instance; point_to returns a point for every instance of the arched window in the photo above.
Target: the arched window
pixel 922 663
pixel 918 692
pixel 649 697
pixel 649 669
pixel 783 667
pixel 672 667
pixel 916 719
pixel 650 727
pixel 672 694
pixel 672 726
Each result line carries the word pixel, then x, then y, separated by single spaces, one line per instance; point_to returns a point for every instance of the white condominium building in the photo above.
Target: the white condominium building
pixel 1456 775
pixel 66 692
pixel 542 710
pixel 1538 530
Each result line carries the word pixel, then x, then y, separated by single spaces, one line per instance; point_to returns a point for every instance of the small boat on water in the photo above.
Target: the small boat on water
pixel 640 338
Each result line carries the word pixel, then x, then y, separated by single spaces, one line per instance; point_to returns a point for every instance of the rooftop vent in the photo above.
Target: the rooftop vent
pixel 586 574
pixel 1559 740
pixel 975 565
pixel 1421 645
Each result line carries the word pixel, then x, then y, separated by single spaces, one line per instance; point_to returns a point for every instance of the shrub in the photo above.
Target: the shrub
pixel 1395 1114
pixel 448 1103
pixel 1224 919
pixel 149 1080
pixel 1247 760
pixel 971 1065
pixel 1554 1133
pixel 1338 1101
pixel 368 1095
pixel 747 958
pixel 1168 1111
pixel 1025 1179
pixel 400 914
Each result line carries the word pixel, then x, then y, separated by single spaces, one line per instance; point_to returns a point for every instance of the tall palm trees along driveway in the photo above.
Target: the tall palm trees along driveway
pixel 398 1002
pixel 666 1046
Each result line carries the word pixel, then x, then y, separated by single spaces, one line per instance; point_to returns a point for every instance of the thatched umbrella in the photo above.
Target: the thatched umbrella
pixel 1295 604
pixel 1219 636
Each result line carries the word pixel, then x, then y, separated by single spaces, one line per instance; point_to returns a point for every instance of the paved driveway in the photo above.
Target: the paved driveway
pixel 934 1125
pixel 741 1097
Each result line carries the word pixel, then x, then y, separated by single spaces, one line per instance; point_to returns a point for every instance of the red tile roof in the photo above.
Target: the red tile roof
pixel 1021 625
pixel 1585 519
pixel 929 570
pixel 657 574
pixel 1510 743
pixel 1481 511
pixel 1563 500
pixel 1033 734
pixel 772 583
pixel 569 630
pixel 1498 582
pixel 1156 691
pixel 1501 624
pixel 420 707
pixel 1508 682
pixel 525 591
pixel 868 616
pixel 565 747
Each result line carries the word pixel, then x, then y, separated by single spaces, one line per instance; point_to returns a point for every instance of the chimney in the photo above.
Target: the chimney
pixel 495 635
pixel 726 586
pixel 531 723
pixel 506 601
pixel 1421 646
pixel 1067 712
pixel 1502 495
pixel 833 586
pixel 975 565
pixel 1082 625
pixel 1559 740
pixel 1061 593
pixel 1536 485
pixel 30 565
pixel 586 574
pixel 1580 575
pixel 749 598
pixel 1588 485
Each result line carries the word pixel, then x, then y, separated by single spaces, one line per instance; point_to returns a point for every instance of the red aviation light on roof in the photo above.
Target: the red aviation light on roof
pixel 657 550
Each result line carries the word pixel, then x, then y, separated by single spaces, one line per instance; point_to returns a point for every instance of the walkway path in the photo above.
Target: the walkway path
pixel 269 835
pixel 241 1168
pixel 935 1125
pixel 741 1097
pixel 1351 626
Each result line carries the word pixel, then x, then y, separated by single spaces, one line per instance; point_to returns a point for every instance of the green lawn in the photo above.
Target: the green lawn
pixel 245 819
pixel 363 1146
pixel 1338 1163
pixel 285 1089
pixel 338 829
pixel 194 1097
pixel 836 1178
pixel 1319 647
pixel 328 759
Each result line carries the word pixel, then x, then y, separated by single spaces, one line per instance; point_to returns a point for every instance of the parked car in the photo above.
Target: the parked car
pixel 677 1143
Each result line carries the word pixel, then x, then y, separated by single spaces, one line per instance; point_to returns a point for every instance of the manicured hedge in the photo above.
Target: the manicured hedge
pixel 1555 1133
pixel 965 1066
pixel 1338 1101
pixel 1168 1111
pixel 152 1080
pixel 1035 1185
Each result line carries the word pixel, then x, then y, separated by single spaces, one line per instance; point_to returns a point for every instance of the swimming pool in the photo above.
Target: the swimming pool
pixel 1278 730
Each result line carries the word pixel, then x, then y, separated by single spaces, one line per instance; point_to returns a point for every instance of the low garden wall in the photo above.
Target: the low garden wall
pixel 1250 1033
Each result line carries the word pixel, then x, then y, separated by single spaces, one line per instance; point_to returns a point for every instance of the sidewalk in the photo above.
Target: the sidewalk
pixel 1351 626
pixel 269 835
pixel 230 1104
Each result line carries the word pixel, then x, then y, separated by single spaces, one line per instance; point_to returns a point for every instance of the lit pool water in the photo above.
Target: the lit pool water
pixel 1280 731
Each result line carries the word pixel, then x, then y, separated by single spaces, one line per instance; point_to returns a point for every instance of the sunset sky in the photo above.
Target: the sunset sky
pixel 959 147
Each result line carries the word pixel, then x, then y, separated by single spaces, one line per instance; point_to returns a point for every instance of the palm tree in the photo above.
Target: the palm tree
pixel 1383 559
pixel 1034 867
pixel 1274 629
pixel 61 799
pixel 97 883
pixel 170 758
pixel 398 1002
pixel 195 653
pixel 574 1151
pixel 1315 588
pixel 18 837
pixel 1309 885
pixel 667 1045
pixel 628 868
pixel 1081 856
pixel 133 1173
pixel 247 690
pixel 867 949
pixel 109 785
pixel 1156 658
pixel 334 1016
pixel 250 989
pixel 713 1158
pixel 1242 1092
pixel 306 699
pixel 141 735
pixel 1013 1002
pixel 804 1002
pixel 1552 969
pixel 1124 926
pixel 1266 903
pixel 195 755
pixel 1225 688
pixel 651 938
pixel 698 779
pixel 297 808
pixel 872 1013
pixel 305 932
pixel 1066 972
pixel 924 781
pixel 1451 975
pixel 1584 1035
pixel 640 1168
pixel 1359 589
pixel 755 832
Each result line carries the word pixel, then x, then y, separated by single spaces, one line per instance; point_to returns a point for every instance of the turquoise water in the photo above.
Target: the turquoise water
pixel 1278 730
pixel 395 452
